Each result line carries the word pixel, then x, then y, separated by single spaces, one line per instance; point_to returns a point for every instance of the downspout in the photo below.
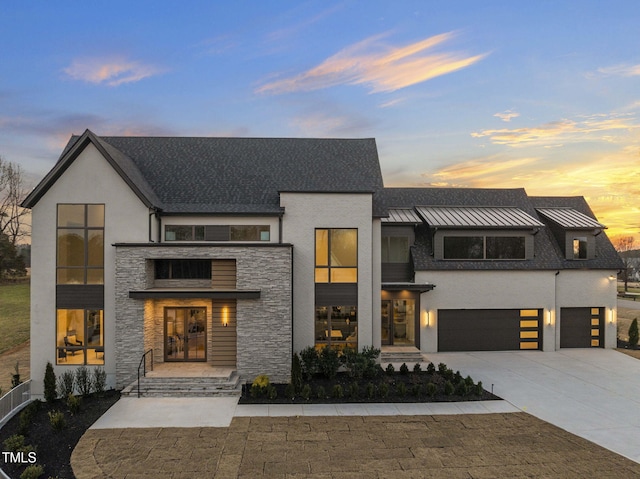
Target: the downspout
pixel 556 311
pixel 159 225
pixel 150 231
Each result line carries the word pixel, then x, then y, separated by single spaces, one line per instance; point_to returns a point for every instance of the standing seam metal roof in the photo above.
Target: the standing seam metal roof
pixel 569 218
pixel 477 217
pixel 402 215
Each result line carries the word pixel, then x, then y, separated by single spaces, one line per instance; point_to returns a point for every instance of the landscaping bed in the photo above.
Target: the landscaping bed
pixel 328 377
pixel 53 447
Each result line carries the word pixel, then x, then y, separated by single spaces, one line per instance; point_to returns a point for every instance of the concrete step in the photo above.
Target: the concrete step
pixel 410 358
pixel 185 386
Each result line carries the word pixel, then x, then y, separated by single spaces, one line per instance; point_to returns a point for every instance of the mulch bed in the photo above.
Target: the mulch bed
pixel 371 390
pixel 54 447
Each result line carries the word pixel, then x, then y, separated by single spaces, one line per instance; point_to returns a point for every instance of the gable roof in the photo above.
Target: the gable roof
pixel 229 175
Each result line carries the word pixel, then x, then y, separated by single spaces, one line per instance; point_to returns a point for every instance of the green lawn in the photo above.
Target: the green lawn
pixel 14 315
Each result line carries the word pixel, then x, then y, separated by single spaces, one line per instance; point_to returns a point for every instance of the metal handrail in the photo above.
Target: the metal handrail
pixel 143 365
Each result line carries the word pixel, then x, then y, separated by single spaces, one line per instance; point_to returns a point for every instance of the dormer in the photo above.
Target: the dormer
pixel 575 232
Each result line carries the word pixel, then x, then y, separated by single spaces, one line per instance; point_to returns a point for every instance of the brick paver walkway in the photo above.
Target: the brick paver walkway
pixel 463 446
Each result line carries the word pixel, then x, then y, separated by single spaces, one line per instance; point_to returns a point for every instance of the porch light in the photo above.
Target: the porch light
pixel 549 317
pixel 611 316
pixel 225 317
pixel 426 317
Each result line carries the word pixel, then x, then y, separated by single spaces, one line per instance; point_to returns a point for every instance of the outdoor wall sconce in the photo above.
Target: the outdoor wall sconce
pixel 611 316
pixel 426 318
pixel 549 317
pixel 225 317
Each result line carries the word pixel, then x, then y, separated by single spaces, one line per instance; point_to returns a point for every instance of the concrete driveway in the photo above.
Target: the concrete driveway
pixel 593 393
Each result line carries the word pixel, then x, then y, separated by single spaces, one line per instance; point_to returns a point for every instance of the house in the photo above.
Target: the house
pixel 237 252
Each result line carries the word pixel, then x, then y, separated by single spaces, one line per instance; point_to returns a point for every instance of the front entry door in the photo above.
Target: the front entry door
pixel 185 335
pixel 399 322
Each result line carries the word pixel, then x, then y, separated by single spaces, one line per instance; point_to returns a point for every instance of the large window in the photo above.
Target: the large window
pixel 80 336
pixel 395 249
pixel 217 233
pixel 183 269
pixel 484 247
pixel 80 245
pixel 336 256
pixel 337 326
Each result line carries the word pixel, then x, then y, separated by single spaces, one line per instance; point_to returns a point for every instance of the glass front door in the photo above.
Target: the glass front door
pixel 398 322
pixel 185 334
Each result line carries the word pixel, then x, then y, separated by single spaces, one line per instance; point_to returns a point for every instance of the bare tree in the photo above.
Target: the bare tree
pixel 624 244
pixel 12 192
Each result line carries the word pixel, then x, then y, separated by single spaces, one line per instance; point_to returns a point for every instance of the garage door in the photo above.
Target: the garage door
pixel 489 329
pixel 581 327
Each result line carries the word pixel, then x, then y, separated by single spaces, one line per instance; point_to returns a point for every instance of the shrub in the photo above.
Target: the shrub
pixel 99 380
pixel 383 390
pixel 83 381
pixel 296 373
pixel 479 389
pixel 404 369
pixel 417 369
pixel 401 389
pixel 272 392
pixel 371 391
pixel 431 389
pixel 442 368
pixel 457 377
pixel 468 381
pixel 354 390
pixel 416 390
pixel 73 403
pixel 337 392
pixel 390 369
pixel 306 392
pixel 633 333
pixel 461 388
pixel 66 383
pixel 328 362
pixel 290 391
pixel 49 383
pixel 32 471
pixel 321 393
pixel 309 362
pixel 431 368
pixel 27 415
pixel 16 443
pixel 260 385
pixel 56 419
pixel 448 388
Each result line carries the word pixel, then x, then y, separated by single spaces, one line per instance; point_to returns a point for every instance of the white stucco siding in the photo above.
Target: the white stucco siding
pixel 89 179
pixel 485 290
pixel 304 212
pixel 590 288
pixel 271 221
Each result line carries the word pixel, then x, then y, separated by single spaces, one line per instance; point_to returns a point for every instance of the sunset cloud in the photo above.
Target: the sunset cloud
pixel 507 115
pixel 624 69
pixel 380 67
pixel 595 127
pixel 111 71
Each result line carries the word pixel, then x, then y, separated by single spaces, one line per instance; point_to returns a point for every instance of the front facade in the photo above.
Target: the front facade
pixel 238 252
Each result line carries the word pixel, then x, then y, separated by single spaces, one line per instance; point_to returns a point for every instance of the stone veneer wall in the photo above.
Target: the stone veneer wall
pixel 264 326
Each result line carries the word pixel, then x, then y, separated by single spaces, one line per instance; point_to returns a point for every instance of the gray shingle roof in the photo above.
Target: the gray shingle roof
pixel 476 217
pixel 246 174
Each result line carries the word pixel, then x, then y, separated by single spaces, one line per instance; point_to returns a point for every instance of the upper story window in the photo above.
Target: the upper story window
pixel 183 269
pixel 484 247
pixel 580 250
pixel 80 244
pixel 395 249
pixel 217 233
pixel 336 258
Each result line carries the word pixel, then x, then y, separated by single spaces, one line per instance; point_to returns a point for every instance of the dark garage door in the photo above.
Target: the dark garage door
pixel 581 327
pixel 489 329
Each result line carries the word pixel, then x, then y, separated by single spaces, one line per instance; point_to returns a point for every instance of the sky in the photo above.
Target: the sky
pixel 541 95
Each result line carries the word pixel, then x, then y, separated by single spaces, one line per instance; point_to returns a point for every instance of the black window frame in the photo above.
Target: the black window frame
pixel 483 252
pixel 182 269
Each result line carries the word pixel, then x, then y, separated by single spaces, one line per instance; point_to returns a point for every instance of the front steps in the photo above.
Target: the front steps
pixel 401 354
pixel 154 386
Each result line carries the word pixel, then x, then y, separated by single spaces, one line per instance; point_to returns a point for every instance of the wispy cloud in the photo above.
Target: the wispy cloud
pixel 594 127
pixel 380 67
pixel 507 115
pixel 110 71
pixel 623 69
pixel 330 125
pixel 479 169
